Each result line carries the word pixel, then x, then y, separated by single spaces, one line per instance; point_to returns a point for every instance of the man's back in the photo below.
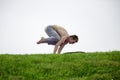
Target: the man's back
pixel 61 31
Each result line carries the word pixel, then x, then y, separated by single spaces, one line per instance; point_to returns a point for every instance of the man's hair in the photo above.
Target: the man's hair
pixel 74 37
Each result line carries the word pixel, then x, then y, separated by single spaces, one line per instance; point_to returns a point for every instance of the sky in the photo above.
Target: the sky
pixel 22 23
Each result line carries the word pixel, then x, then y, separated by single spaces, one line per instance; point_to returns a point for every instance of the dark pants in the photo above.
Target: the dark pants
pixel 54 37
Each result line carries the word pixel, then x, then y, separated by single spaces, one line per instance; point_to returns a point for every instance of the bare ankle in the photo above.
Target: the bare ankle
pixel 42 40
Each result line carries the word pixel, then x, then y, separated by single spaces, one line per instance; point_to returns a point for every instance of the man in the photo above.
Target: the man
pixel 59 37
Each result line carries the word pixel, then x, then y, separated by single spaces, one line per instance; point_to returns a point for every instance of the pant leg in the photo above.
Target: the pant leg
pixel 53 35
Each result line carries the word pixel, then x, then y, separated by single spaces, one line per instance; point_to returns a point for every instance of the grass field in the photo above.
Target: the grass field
pixel 69 66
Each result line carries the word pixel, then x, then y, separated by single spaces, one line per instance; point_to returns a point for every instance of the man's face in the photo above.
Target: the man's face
pixel 71 41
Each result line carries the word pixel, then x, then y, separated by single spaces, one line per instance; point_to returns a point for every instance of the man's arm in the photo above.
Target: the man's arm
pixel 59 43
pixel 55 49
pixel 60 48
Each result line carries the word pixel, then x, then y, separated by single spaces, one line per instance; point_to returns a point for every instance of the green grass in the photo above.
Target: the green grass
pixel 69 66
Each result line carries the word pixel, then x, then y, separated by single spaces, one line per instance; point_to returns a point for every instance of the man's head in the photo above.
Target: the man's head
pixel 73 39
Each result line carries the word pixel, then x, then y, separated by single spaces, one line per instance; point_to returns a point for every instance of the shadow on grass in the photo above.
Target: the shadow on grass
pixel 74 52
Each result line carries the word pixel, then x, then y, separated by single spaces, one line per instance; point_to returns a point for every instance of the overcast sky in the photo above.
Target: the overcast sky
pixel 22 23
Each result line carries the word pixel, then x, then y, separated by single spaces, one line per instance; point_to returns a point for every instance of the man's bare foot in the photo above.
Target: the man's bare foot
pixel 42 40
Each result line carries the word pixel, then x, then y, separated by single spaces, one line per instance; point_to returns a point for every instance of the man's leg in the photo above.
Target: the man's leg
pixel 51 32
pixel 50 40
pixel 53 36
pixel 42 40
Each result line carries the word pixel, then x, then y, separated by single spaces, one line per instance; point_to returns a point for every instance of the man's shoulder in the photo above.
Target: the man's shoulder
pixel 65 36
